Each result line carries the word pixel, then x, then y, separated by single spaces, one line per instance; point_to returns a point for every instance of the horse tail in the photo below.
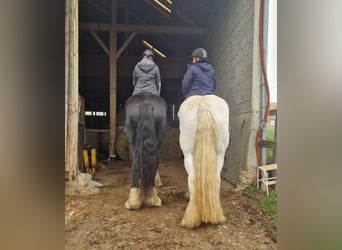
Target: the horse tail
pixel 207 184
pixel 147 151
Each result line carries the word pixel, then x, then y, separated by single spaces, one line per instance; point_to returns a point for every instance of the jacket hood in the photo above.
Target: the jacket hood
pixel 146 65
pixel 204 65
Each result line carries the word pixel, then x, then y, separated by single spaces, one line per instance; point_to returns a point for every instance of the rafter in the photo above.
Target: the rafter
pixel 164 40
pixel 124 46
pixel 99 41
pixel 144 28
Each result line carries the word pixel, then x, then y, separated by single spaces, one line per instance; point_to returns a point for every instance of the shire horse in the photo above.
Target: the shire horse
pixel 146 125
pixel 204 138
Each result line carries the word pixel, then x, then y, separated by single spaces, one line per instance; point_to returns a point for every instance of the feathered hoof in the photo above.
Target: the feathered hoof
pixel 187 195
pixel 221 220
pixel 190 219
pixel 134 201
pixel 190 224
pixel 153 200
pixel 157 180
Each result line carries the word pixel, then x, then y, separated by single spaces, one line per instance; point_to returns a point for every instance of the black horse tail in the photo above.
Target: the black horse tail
pixel 147 150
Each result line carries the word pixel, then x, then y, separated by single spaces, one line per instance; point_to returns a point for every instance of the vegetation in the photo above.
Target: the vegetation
pixel 269 151
pixel 268 204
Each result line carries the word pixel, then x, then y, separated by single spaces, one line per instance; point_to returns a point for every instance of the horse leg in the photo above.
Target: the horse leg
pixel 134 199
pixel 191 216
pixel 157 180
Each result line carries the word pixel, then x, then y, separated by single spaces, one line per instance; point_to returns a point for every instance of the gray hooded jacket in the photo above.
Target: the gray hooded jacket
pixel 146 78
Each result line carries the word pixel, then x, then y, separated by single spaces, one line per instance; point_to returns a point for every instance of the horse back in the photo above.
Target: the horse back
pixel 133 112
pixel 158 103
pixel 188 113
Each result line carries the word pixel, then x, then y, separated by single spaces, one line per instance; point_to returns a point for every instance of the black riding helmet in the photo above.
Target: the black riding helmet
pixel 200 52
pixel 148 53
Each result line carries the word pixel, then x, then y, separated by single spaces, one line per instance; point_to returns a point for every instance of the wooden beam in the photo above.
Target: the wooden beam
pixel 268 144
pixel 148 29
pixel 164 40
pixel 154 6
pixel 99 41
pixel 72 123
pixel 124 46
pixel 98 66
pixel 112 80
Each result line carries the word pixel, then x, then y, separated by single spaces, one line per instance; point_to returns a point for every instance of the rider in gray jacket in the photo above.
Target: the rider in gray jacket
pixel 146 75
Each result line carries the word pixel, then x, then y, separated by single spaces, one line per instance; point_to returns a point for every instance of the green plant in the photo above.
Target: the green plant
pixel 269 151
pixel 268 204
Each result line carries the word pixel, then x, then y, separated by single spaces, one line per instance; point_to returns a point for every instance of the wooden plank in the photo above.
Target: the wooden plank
pixel 98 65
pixel 158 9
pixel 124 46
pixel 273 112
pixel 273 182
pixel 147 29
pixel 99 41
pixel 268 144
pixel 269 167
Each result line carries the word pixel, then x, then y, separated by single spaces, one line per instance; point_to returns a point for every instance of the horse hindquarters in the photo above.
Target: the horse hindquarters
pixel 204 204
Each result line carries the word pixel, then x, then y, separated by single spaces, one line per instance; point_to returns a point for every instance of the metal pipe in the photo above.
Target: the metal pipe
pixel 263 87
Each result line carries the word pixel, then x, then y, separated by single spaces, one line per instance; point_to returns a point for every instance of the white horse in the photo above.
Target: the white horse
pixel 204 138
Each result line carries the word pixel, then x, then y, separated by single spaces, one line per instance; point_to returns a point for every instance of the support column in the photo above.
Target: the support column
pixel 112 82
pixel 73 109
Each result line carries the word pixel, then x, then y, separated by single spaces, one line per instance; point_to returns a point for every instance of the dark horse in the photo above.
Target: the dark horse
pixel 146 125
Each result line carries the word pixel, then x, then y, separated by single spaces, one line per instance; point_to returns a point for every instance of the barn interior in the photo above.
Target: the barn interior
pixel 172 29
pixel 112 35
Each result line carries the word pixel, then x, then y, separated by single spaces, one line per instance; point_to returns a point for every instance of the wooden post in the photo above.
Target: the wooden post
pixel 66 58
pixel 112 82
pixel 72 122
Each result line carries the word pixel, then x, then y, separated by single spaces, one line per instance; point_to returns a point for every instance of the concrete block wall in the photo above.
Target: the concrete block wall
pixel 232 45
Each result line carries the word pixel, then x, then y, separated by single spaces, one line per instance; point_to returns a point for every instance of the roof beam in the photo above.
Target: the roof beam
pixel 153 5
pixel 99 41
pixel 124 46
pixel 144 28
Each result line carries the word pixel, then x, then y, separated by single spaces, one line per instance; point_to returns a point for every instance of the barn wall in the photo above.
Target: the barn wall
pixel 233 49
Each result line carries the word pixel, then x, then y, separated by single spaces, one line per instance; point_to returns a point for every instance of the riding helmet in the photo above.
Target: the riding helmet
pixel 148 53
pixel 200 52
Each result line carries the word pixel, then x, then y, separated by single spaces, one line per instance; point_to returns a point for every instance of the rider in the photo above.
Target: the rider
pixel 146 75
pixel 199 78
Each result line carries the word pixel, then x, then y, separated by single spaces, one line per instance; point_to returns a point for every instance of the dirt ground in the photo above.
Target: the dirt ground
pixel 101 221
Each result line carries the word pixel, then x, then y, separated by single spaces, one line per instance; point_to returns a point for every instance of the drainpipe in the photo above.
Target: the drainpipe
pixel 263 87
pixel 265 92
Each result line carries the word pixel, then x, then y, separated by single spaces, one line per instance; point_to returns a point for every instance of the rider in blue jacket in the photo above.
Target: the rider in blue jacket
pixel 199 78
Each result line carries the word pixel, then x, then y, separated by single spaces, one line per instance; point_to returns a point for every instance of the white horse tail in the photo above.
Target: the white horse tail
pixel 207 183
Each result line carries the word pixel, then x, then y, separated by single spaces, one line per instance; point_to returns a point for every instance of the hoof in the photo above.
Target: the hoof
pixel 191 218
pixel 187 195
pixel 134 201
pixel 221 220
pixel 157 180
pixel 153 200
pixel 190 224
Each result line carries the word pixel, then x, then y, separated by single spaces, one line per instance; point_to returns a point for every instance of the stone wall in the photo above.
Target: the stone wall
pixel 232 45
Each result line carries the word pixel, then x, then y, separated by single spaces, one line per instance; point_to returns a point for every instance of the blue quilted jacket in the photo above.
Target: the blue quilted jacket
pixel 199 79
